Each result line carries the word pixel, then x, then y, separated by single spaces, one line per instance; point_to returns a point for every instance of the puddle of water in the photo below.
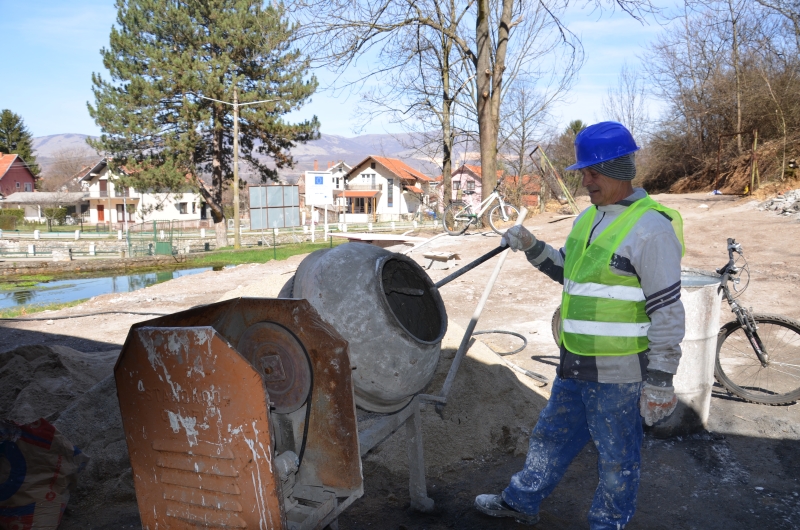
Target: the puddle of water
pixel 61 291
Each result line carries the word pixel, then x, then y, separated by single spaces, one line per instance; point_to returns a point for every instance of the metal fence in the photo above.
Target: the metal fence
pixel 153 238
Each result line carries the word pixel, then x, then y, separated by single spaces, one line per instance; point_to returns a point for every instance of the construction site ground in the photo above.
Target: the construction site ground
pixel 740 474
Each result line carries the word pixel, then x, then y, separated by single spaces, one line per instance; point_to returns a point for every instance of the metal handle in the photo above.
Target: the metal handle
pixel 462 349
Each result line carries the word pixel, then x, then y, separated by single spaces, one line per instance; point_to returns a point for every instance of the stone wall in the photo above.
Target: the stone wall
pixel 29 267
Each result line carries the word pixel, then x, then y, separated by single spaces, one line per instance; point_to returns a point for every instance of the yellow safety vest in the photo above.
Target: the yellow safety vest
pixel 603 313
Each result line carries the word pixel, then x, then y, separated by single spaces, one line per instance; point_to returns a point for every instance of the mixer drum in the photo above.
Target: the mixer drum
pixel 389 311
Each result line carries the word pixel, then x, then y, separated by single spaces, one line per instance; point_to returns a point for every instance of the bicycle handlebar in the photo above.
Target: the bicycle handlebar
pixel 729 268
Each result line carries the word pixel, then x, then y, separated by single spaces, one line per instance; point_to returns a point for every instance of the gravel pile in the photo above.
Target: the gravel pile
pixel 784 204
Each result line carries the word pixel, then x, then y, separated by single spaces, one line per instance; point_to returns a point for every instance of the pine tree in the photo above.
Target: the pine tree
pixel 165 58
pixel 16 139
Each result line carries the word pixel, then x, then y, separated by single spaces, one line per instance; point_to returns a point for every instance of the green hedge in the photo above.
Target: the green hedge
pixel 17 213
pixel 8 222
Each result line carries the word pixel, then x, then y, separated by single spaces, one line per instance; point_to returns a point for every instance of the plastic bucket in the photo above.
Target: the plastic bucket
pixel 695 377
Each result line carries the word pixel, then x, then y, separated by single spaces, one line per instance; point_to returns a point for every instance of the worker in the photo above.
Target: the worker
pixel 622 322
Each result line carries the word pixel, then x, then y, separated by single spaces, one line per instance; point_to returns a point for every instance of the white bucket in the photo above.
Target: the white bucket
pixel 695 376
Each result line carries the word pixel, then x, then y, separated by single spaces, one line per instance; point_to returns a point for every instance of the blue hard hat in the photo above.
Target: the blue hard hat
pixel 602 142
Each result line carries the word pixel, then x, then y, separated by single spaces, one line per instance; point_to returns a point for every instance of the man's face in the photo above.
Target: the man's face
pixel 604 190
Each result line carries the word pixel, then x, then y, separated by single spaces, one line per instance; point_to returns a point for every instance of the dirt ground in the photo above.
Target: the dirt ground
pixel 741 474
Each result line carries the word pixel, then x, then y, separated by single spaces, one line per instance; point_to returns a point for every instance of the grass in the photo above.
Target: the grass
pixel 218 258
pixel 26 281
pixel 228 256
pixel 14 312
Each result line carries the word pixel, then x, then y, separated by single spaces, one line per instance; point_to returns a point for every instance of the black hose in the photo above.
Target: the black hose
pixel 81 315
pixel 503 332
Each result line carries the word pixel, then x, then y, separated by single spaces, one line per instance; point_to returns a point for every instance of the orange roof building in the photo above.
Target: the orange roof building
pixel 15 175
pixel 384 189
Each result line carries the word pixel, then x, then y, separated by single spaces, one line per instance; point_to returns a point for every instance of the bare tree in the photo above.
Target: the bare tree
pixel 626 103
pixel 524 116
pixel 62 169
pixel 512 38
pixel 724 68
pixel 790 11
pixel 424 92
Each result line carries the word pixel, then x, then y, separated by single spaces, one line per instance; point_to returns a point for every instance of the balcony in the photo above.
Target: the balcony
pixel 104 194
pixel 363 187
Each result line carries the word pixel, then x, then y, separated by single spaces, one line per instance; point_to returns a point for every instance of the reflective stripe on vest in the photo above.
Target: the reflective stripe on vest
pixel 603 313
pixel 608 329
pixel 598 290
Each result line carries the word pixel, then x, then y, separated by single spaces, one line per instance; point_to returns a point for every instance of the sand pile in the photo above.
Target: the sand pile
pixel 41 381
pixel 490 409
pixel 76 392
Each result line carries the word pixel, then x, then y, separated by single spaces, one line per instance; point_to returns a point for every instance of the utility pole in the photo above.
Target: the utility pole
pixel 236 240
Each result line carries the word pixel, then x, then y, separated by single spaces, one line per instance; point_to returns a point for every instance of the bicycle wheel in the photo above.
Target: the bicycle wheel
pixel 739 370
pixel 499 222
pixel 455 218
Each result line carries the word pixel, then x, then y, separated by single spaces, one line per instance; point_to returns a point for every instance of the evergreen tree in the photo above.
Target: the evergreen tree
pixel 16 139
pixel 165 58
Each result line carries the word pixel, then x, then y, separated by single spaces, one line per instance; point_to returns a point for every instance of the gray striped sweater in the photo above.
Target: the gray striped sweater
pixel 652 252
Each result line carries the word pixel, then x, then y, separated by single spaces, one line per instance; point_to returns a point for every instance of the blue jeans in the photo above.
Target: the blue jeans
pixel 577 411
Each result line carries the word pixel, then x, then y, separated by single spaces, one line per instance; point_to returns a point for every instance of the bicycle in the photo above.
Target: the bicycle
pixel 458 216
pixel 758 355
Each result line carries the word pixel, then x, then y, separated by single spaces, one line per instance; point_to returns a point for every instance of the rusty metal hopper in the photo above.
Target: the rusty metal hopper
pixel 240 415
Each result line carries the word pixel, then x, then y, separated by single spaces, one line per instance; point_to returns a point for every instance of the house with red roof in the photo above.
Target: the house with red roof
pixel 466 187
pixel 15 175
pixel 383 189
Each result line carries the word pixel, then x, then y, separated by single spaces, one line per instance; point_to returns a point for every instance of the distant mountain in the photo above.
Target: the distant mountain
pixel 329 148
pixel 47 146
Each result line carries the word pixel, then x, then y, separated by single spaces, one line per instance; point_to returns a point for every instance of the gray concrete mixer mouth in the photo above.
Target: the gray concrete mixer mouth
pixel 412 299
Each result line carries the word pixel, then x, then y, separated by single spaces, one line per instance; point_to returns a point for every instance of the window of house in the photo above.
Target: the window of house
pixel 181 207
pixel 470 185
pixel 194 207
pixel 456 184
pixel 17 185
pixel 389 192
pixel 28 186
pixel 372 165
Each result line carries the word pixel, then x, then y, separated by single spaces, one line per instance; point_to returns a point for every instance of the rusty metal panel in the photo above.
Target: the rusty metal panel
pixel 332 455
pixel 196 423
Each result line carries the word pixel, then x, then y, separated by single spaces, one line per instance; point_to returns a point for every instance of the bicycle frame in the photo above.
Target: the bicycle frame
pixel 742 315
pixel 486 203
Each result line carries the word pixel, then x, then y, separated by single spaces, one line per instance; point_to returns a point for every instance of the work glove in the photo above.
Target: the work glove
pixel 518 238
pixel 657 403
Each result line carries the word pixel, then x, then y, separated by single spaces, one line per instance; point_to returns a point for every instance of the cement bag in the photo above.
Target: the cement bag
pixel 38 465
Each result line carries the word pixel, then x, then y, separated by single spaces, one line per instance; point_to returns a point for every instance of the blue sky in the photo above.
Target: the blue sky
pixel 52 48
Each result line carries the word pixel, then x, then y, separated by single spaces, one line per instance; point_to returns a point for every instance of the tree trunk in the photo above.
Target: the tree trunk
pixel 217 182
pixel 486 125
pixel 735 28
pixel 447 133
pixel 489 82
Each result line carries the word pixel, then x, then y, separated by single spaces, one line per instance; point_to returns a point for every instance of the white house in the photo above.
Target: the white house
pixel 382 189
pixel 111 203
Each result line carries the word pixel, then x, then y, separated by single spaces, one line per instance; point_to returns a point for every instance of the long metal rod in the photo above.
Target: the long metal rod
pixel 462 349
pixel 469 266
